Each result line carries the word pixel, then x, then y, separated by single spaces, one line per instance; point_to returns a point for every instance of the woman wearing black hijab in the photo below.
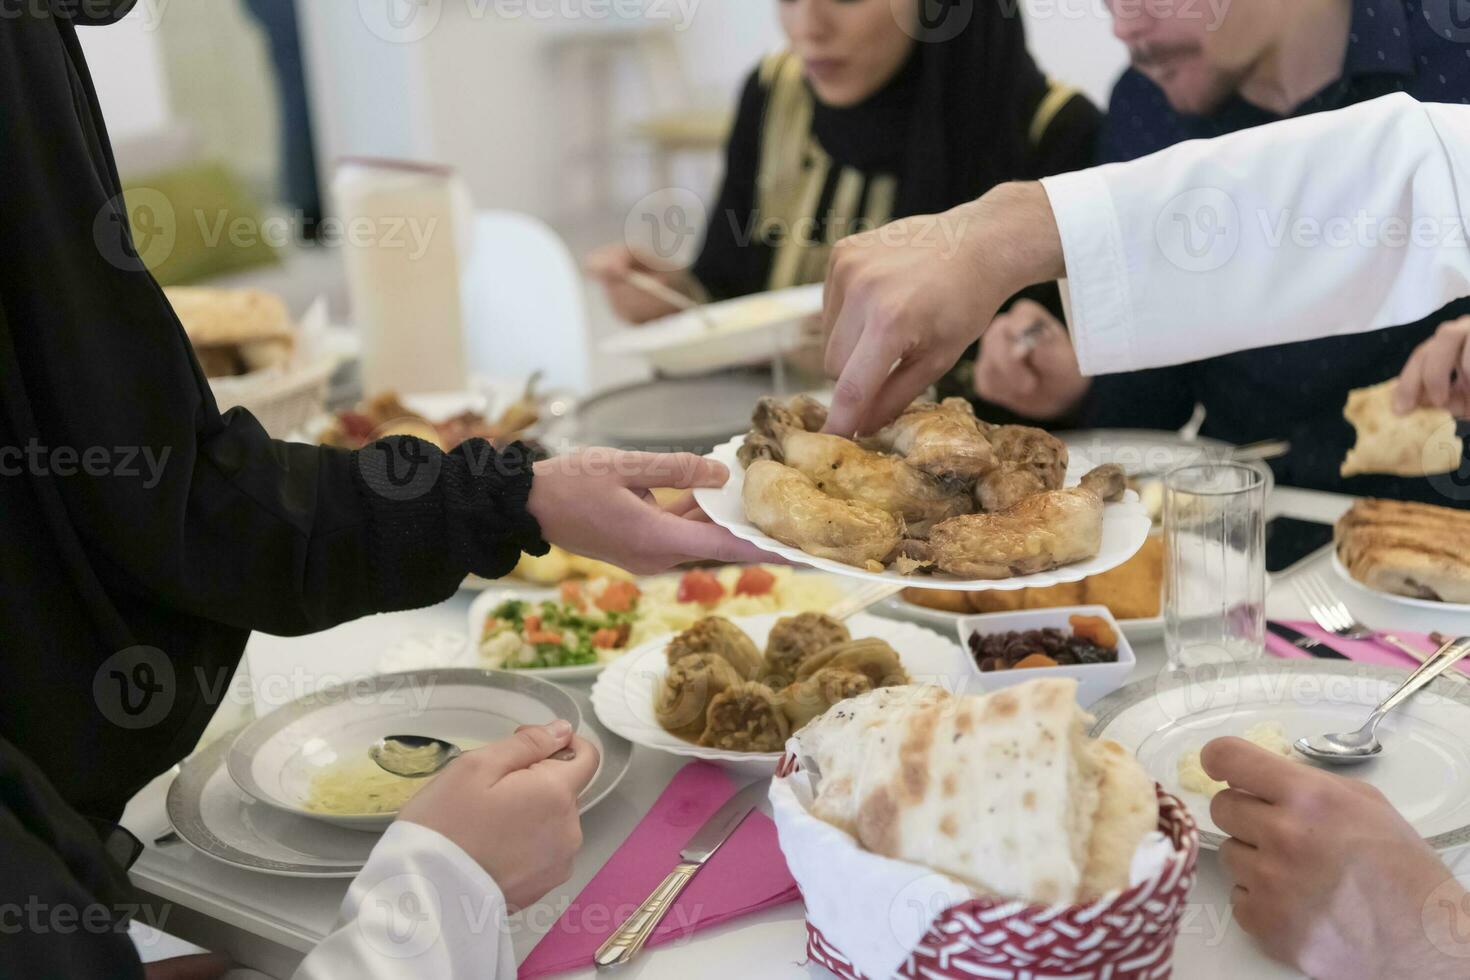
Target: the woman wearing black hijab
pixel 878 110
pixel 143 534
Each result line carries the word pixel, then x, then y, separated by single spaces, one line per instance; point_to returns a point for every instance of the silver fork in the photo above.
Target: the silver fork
pixel 1333 615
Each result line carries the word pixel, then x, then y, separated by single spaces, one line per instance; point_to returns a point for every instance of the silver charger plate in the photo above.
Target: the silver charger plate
pixel 212 814
pixel 1423 770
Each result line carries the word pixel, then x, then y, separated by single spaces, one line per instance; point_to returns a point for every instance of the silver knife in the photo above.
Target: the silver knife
pixel 628 938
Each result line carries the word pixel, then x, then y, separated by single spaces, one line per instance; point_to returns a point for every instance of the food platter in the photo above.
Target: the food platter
pixel 1422 771
pixel 623 696
pixel 217 818
pixel 1126 526
pixel 719 335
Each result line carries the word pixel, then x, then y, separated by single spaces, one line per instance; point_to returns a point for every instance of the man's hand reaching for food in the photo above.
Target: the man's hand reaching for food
pixel 599 503
pixel 904 301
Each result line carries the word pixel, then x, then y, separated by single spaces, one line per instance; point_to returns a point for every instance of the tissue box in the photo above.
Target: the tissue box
pixel 902 920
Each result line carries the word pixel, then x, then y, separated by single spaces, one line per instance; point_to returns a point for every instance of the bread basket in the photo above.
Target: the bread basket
pixel 285 398
pixel 931 927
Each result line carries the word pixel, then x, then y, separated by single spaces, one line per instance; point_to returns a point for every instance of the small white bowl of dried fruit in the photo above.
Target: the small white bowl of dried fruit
pixel 1081 642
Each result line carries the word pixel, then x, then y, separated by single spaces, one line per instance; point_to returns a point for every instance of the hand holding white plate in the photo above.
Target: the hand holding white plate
pixel 1125 528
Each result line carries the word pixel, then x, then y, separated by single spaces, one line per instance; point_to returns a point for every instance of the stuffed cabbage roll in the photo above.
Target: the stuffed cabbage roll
pixel 795 638
pixel 682 700
pixel 871 657
pixel 722 638
pixel 746 717
pixel 811 698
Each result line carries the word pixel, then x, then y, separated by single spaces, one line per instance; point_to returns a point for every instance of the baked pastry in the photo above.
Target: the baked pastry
pixel 1410 549
pixel 808 700
pixel 1421 443
pixel 233 331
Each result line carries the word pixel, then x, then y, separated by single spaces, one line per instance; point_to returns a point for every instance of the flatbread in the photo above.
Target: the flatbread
pixel 998 791
pixel 221 317
pixel 1421 443
pixel 1127 809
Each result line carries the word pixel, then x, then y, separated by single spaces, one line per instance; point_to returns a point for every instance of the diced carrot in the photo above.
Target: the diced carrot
pixel 755 581
pixel 531 624
pixel 542 636
pixel 607 639
pixel 618 597
pixel 491 625
pixel 571 594
pixel 701 587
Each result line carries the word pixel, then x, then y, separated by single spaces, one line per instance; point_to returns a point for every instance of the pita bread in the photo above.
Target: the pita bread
pixel 1421 443
pixel 1002 791
pixel 1127 809
pixel 221 317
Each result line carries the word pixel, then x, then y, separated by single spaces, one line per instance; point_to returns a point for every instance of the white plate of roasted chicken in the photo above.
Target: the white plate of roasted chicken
pixel 939 499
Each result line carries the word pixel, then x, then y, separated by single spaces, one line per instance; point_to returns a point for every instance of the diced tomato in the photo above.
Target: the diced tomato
pixel 701 587
pixel 537 637
pixel 571 594
pixel 618 597
pixel 755 581
pixel 608 639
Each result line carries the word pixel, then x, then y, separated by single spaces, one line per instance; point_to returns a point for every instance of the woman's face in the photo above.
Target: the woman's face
pixel 849 48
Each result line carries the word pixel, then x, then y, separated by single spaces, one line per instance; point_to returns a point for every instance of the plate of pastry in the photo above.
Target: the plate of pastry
pixel 732 691
pixel 1407 553
pixel 939 499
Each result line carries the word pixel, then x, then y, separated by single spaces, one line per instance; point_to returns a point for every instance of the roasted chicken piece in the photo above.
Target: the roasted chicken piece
pixel 1040 532
pixel 945 441
pixel 1029 461
pixel 787 505
pixel 845 470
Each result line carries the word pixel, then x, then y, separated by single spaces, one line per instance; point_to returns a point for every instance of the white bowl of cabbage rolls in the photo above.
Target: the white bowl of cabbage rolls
pixel 733 691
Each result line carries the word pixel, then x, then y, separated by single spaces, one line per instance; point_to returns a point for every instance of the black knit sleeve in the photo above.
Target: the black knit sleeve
pixel 732 260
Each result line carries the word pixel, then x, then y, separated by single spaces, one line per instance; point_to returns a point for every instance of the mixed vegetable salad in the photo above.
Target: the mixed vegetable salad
pixel 595 620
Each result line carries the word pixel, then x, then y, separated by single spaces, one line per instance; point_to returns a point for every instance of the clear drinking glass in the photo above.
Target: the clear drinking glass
pixel 1215 565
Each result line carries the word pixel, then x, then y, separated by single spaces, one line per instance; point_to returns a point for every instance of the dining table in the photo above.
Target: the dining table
pixel 269 923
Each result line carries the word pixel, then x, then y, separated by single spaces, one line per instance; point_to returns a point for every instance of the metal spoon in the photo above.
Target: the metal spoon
pixel 413 756
pixel 419 756
pixel 1349 748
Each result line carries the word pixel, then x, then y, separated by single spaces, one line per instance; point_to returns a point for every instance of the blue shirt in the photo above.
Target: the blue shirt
pixel 1295 391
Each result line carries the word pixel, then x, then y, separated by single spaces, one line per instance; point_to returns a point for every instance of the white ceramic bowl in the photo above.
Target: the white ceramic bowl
pixel 276 757
pixel 624 693
pixel 1094 681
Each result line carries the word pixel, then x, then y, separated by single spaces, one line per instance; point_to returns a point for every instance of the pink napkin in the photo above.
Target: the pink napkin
pixel 1359 651
pixel 745 875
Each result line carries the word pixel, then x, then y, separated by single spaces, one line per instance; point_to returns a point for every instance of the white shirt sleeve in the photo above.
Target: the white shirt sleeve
pixel 420 908
pixel 1328 224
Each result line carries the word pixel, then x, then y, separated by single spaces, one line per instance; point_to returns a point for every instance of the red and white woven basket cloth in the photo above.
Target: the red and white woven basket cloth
pixel 1127 936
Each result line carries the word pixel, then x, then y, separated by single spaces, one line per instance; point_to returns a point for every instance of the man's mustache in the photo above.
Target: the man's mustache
pixel 1153 55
